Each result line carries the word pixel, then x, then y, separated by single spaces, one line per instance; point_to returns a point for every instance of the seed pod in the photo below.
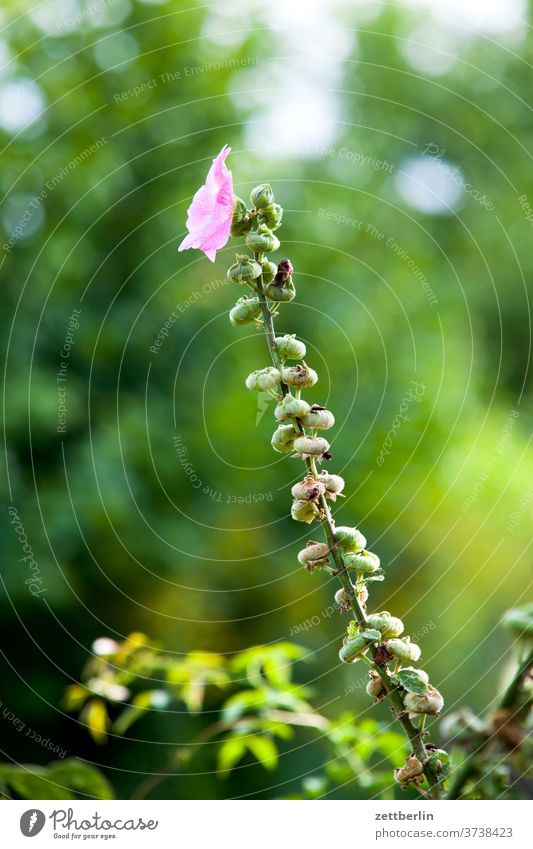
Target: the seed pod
pixel 291 408
pixel 245 311
pixel 241 223
pixel 318 418
pixel 262 240
pixel 271 216
pixel 349 539
pixel 375 686
pixel 462 725
pixel 411 773
pixel 311 446
pixel 262 196
pixel 343 599
pixel 304 511
pixel 334 485
pixel 362 595
pixel 270 270
pixel 244 269
pixel 388 626
pixel 352 650
pixel 403 649
pixel 283 439
pixel 308 490
pixel 263 379
pixel 314 555
pixel 280 291
pixel 285 269
pixel 290 347
pixel 430 703
pixel 362 561
pixel 300 375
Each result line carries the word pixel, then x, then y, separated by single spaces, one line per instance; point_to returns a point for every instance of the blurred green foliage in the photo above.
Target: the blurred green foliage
pixel 124 539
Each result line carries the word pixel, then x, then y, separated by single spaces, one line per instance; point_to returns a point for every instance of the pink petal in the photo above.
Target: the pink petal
pixel 209 215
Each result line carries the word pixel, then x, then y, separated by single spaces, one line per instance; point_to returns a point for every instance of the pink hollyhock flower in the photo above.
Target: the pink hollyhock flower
pixel 209 215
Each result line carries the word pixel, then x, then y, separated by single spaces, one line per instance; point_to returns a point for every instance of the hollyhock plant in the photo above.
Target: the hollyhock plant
pixel 211 211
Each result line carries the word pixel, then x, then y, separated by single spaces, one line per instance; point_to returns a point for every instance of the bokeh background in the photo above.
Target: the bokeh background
pixel 398 139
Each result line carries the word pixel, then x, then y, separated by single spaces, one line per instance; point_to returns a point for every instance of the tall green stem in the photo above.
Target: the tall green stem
pixel 414 734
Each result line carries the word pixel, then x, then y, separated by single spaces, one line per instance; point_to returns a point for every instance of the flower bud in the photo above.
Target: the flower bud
pixel 520 620
pixel 349 539
pixel 311 446
pixel 283 439
pixel 411 773
pixel 290 347
pixel 314 555
pixel 361 561
pixel 244 269
pixel 261 196
pixel 270 270
pixel 430 703
pixel 375 686
pixel 291 408
pixel 403 649
pixel 318 418
pixel 388 626
pixel 285 269
pixel 244 311
pixel 241 223
pixel 308 490
pixel 262 240
pixel 334 485
pixel 300 375
pixel 342 599
pixel 271 216
pixel 304 511
pixel 263 379
pixel 280 291
pixel 352 649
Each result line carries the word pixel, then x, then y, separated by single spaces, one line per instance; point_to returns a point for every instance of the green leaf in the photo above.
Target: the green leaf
pixel 95 715
pixel 412 680
pixel 264 750
pixel 81 777
pixel 32 782
pixel 238 704
pixel 229 754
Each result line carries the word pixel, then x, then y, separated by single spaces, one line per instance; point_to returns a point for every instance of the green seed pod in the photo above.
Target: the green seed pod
pixel 271 216
pixel 314 555
pixel 388 626
pixel 280 291
pixel 263 379
pixel 304 511
pixel 318 418
pixel 361 561
pixel 245 311
pixel 311 446
pixel 283 439
pixel 430 703
pixel 308 490
pixel 352 650
pixel 244 269
pixel 403 649
pixel 334 485
pixel 350 539
pixel 290 347
pixel 270 269
pixel 342 599
pixel 375 686
pixel 520 620
pixel 291 408
pixel 300 375
pixel 241 223
pixel 262 196
pixel 262 240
